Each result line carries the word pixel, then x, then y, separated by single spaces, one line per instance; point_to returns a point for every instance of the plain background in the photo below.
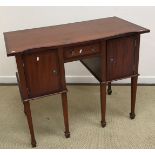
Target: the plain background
pixel 18 18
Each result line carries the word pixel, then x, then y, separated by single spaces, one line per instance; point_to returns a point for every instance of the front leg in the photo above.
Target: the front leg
pixel 65 113
pixel 29 120
pixel 103 103
pixel 133 95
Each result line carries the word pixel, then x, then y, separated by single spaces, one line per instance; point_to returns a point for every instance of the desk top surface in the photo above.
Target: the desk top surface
pixel 66 34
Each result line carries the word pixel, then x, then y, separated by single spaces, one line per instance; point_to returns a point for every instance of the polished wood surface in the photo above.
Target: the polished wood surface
pixel 103 103
pixel 22 78
pixel 42 71
pixel 30 124
pixel 75 52
pixel 108 48
pixel 120 57
pixel 133 95
pixel 65 113
pixel 62 35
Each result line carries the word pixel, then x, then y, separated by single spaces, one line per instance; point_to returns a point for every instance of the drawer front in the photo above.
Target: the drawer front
pixel 81 50
pixel 42 72
pixel 121 57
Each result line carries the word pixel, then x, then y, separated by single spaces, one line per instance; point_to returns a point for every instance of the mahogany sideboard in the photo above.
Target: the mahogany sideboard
pixel 108 48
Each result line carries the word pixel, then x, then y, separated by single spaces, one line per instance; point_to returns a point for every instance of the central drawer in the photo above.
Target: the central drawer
pixel 77 51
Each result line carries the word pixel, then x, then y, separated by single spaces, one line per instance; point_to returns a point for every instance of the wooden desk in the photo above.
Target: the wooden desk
pixel 108 48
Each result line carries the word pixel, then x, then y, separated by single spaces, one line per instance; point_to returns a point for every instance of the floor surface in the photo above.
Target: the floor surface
pixel 84 119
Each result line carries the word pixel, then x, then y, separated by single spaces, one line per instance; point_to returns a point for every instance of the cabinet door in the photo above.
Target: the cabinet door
pixel 42 73
pixel 121 57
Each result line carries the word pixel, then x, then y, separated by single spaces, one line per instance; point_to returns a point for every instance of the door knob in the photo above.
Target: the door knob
pixel 55 72
pixel 112 60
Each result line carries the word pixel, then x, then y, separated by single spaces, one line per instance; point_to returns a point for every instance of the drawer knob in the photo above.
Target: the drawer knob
pixel 80 51
pixel 55 72
pixel 37 58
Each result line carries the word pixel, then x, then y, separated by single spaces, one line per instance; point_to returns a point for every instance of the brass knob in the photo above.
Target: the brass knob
pixel 112 60
pixel 37 58
pixel 55 72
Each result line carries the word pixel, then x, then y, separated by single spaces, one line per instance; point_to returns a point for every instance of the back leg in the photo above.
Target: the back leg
pixel 109 90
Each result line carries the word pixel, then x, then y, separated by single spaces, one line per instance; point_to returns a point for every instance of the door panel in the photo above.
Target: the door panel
pixel 120 57
pixel 42 72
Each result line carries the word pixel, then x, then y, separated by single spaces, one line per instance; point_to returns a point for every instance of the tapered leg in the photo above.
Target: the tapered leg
pixel 103 103
pixel 24 108
pixel 109 90
pixel 133 95
pixel 27 110
pixel 65 113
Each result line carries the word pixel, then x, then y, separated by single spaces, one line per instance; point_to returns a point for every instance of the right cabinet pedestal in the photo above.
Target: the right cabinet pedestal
pixel 122 57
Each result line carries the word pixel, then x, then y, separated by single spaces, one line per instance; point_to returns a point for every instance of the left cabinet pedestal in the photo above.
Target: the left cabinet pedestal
pixel 41 73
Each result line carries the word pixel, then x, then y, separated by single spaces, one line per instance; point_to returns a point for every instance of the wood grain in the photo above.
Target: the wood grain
pixel 61 35
pixel 120 57
pixel 42 75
